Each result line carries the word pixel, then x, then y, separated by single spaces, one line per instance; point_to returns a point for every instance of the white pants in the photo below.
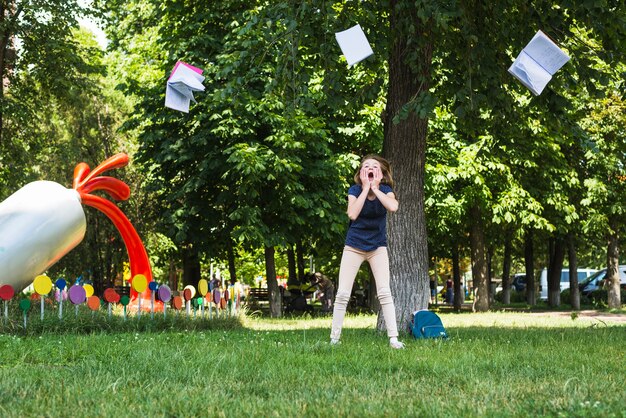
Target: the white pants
pixel 351 261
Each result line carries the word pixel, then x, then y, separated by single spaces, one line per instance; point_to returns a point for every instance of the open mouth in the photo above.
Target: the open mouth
pixel 370 175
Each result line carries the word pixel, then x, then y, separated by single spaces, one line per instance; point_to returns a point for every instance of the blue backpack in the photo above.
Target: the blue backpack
pixel 427 324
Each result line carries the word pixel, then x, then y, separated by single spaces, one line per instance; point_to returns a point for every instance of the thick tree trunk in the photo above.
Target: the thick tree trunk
pixel 529 267
pixel 612 273
pixel 276 308
pixel 191 266
pixel 232 270
pixel 459 295
pixel 554 273
pixel 479 264
pixel 574 295
pixel 405 147
pixel 506 271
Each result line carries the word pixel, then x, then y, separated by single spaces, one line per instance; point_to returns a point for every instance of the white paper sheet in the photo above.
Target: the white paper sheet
pixel 354 44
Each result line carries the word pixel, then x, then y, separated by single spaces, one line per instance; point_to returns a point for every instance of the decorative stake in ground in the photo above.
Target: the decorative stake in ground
pixel 43 286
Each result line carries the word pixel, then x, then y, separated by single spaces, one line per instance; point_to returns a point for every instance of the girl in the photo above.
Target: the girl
pixel 368 202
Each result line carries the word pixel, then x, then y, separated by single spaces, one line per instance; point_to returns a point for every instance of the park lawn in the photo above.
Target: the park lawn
pixel 493 364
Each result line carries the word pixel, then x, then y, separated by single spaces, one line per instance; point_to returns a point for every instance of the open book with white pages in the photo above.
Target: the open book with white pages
pixel 184 80
pixel 537 63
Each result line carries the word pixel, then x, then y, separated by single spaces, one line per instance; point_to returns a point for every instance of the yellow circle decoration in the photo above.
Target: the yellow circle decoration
pixel 139 283
pixel 203 287
pixel 88 290
pixel 42 284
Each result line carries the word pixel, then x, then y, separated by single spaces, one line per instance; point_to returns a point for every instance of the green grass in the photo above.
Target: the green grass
pixel 494 364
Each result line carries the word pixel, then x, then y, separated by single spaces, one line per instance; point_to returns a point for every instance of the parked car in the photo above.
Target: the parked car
pixel 594 281
pixel 519 282
pixel 543 281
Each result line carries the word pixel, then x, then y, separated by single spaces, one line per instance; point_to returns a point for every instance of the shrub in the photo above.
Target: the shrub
pixel 516 297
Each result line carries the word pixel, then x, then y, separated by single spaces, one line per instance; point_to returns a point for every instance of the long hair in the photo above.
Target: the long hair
pixel 385 168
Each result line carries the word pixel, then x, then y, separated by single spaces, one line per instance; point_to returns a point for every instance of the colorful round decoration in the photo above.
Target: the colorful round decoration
pixel 226 294
pixel 93 302
pixel 111 296
pixel 153 286
pixel 25 304
pixel 60 283
pixel 77 294
pixel 177 302
pixel 60 295
pixel 125 300
pixel 6 292
pixel 88 290
pixel 187 294
pixel 203 287
pixel 198 301
pixel 42 284
pixel 164 293
pixel 139 283
pixel 191 289
pixel 217 296
pixel 223 303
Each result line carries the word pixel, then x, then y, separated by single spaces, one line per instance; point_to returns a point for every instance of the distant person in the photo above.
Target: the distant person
pixel 449 291
pixel 369 200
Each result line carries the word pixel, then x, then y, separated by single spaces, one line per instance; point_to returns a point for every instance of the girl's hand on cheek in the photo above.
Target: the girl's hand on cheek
pixel 365 182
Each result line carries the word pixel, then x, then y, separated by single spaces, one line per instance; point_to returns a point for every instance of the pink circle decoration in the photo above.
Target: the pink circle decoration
pixel 164 293
pixel 6 292
pixel 78 294
pixel 60 295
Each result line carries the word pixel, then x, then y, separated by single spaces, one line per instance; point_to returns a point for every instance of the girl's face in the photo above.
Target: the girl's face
pixel 370 165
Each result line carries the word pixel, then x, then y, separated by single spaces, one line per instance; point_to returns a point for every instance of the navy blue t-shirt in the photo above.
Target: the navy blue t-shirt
pixel 369 230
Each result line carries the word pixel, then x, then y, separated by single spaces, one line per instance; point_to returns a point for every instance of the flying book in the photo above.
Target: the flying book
pixel 354 44
pixel 183 81
pixel 538 62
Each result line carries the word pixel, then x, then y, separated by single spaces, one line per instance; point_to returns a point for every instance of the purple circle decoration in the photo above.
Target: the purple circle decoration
pixel 164 293
pixel 77 294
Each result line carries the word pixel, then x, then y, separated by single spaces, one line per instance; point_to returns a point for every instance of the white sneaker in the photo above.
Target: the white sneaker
pixel 334 341
pixel 394 343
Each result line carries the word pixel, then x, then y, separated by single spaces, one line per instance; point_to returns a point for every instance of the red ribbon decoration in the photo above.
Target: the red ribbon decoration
pixel 85 182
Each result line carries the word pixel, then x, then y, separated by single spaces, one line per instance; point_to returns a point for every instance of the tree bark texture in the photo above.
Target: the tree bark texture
pixel 506 271
pixel 529 266
pixel 612 273
pixel 459 295
pixel 405 147
pixel 276 308
pixel 291 266
pixel 479 262
pixel 554 272
pixel 574 295
pixel 191 266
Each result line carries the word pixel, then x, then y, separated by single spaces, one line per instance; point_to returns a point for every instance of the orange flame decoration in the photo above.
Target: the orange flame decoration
pixel 85 182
